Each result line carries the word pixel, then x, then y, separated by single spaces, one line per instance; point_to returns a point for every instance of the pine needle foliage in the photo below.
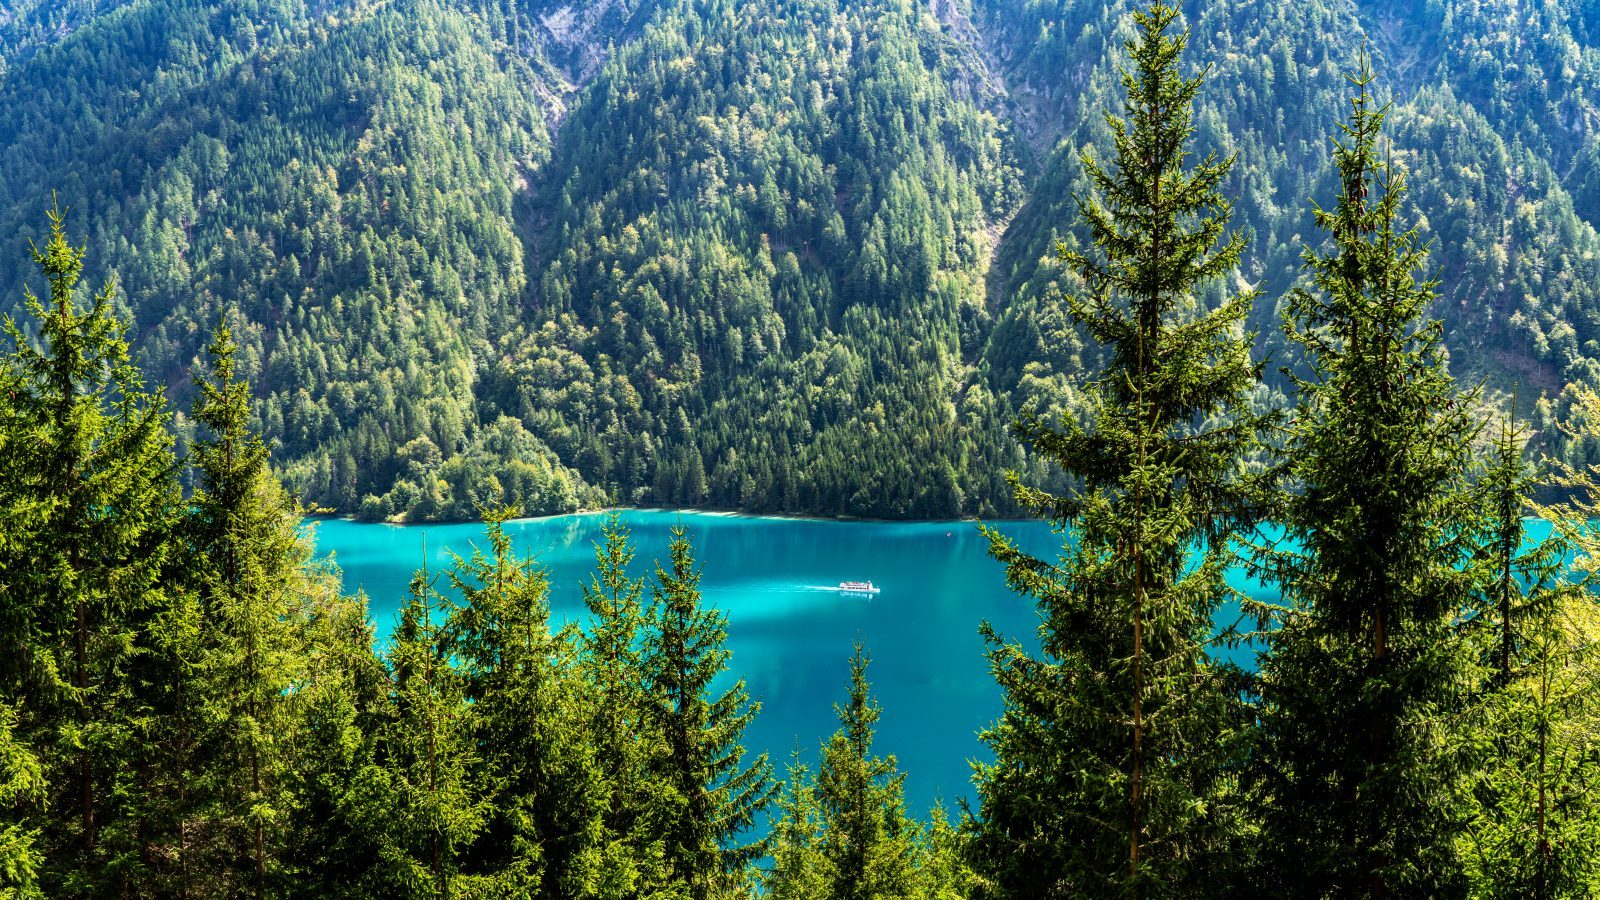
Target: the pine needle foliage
pixel 439 807
pixel 1361 779
pixel 715 794
pixel 89 461
pixel 245 530
pixel 1115 757
pixel 544 835
pixel 21 788
pixel 868 842
pixel 621 730
pixel 799 870
pixel 1535 829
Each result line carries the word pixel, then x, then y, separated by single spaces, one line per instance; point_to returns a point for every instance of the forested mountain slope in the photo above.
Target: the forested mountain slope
pixel 778 256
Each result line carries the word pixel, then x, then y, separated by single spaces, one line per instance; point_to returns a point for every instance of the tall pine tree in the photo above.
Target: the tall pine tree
pixel 244 532
pixel 1360 788
pixel 90 461
pixel 799 870
pixel 21 788
pixel 715 794
pixel 1535 828
pixel 619 726
pixel 1114 756
pixel 545 835
pixel 340 843
pixel 869 844
pixel 429 753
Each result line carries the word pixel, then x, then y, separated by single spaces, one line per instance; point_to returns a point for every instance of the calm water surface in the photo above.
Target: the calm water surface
pixel 789 629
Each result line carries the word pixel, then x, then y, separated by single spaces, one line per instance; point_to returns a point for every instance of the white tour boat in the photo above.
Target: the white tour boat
pixel 858 587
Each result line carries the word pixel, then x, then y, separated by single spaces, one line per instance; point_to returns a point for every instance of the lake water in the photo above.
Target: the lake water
pixel 790 630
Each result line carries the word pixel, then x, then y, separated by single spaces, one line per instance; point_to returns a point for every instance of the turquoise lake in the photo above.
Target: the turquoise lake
pixel 789 628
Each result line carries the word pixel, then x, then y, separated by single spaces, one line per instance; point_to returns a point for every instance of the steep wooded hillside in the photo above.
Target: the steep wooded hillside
pixel 787 256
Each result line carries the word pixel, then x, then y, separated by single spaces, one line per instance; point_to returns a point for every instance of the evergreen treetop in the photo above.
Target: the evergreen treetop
pixel 1113 772
pixel 1363 788
pixel 716 794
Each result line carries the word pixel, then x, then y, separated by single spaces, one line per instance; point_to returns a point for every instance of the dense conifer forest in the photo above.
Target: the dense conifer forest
pixel 791 255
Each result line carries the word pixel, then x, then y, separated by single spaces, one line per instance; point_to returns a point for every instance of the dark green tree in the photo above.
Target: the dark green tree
pixel 1361 790
pixel 1535 824
pixel 429 752
pixel 1116 752
pixel 620 727
pixel 1510 573
pixel 340 843
pixel 22 783
pixel 22 786
pixel 867 840
pixel 545 797
pixel 715 794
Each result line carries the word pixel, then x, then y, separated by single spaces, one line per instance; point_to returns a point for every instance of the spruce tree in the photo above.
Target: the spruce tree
pixel 869 844
pixel 544 835
pixel 1514 579
pixel 1535 825
pixel 341 842
pixel 713 794
pixel 21 511
pixel 429 753
pixel 799 870
pixel 89 459
pixel 244 534
pixel 1360 787
pixel 943 871
pixel 22 787
pixel 845 833
pixel 1115 754
pixel 22 783
pixel 621 731
pixel 1534 830
pixel 181 849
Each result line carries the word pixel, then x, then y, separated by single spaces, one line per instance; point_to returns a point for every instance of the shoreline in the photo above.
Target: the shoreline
pixel 698 511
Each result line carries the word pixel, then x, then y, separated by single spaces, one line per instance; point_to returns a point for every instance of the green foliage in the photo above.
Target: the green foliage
pixel 1117 750
pixel 713 794
pixel 90 462
pixel 729 253
pixel 429 753
pixel 1361 783
pixel 785 248
pixel 369 252
pixel 1533 832
pixel 845 835
pixel 794 255
pixel 620 726
pixel 799 870
pixel 339 832
pixel 244 529
pixel 22 786
pixel 867 841
pixel 944 872
pixel 545 835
